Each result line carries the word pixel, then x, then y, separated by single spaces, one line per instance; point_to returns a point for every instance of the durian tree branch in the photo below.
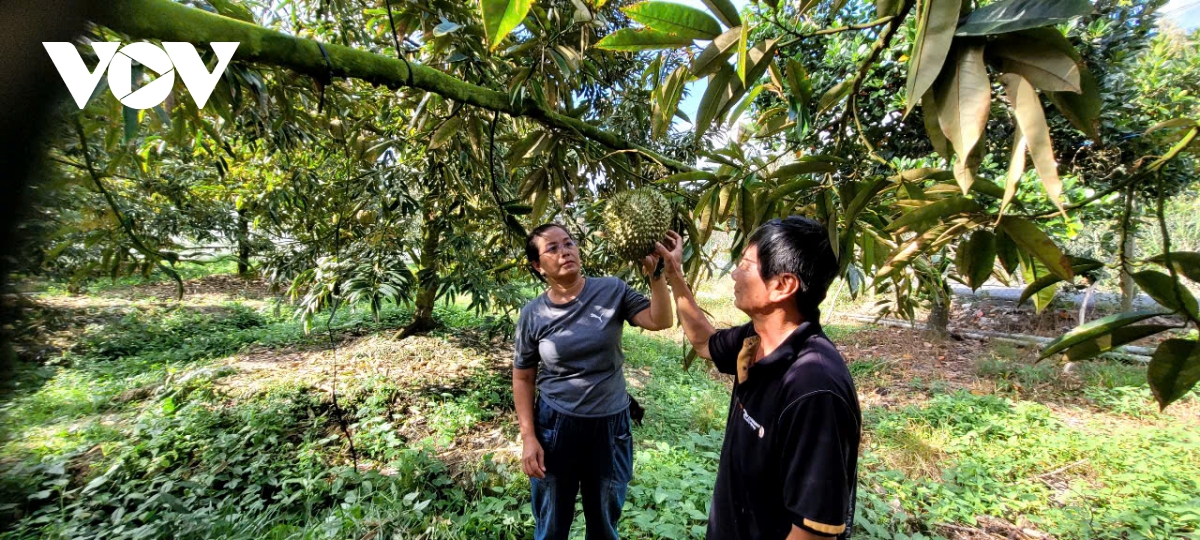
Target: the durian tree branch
pixel 168 21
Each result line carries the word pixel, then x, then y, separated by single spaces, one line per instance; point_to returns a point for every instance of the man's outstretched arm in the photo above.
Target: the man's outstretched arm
pixel 695 323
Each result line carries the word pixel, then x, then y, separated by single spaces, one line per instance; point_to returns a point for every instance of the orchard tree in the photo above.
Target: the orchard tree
pixel 931 136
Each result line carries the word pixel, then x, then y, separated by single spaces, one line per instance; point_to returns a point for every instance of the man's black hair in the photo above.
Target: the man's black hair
pixel 531 250
pixel 799 246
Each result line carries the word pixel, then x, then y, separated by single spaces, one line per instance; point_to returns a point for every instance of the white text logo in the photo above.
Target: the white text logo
pixel 178 56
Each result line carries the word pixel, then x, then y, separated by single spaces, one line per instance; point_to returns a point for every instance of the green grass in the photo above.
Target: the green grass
pixel 133 433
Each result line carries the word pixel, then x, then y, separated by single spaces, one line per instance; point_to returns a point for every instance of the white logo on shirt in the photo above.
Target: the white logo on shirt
pixel 753 424
pixel 597 316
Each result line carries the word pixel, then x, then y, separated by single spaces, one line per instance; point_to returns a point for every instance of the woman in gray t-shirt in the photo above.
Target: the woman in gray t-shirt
pixel 576 436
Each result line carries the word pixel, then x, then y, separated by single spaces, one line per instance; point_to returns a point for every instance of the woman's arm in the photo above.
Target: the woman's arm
pixel 533 460
pixel 658 315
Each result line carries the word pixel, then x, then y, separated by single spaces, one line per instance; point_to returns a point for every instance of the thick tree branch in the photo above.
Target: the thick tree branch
pixel 167 21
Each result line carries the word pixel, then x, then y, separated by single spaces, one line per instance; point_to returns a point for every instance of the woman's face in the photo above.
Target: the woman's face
pixel 558 256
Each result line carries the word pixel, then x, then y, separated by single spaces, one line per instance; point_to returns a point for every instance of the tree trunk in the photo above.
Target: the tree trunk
pixel 938 323
pixel 243 240
pixel 1128 287
pixel 427 274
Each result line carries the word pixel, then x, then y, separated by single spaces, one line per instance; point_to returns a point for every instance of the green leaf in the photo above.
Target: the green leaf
pixel 805 165
pixel 502 16
pixel 964 97
pixel 1174 370
pixel 1164 290
pixel 716 96
pixel 925 216
pixel 233 10
pixel 1122 336
pixel 1083 109
pixel 930 111
pixel 690 176
pixel 835 95
pixel 131 122
pixel 1007 252
pixel 1016 169
pixel 725 11
pixel 1050 279
pixel 445 132
pixel 1031 119
pixel 716 53
pixel 789 188
pixel 1185 262
pixel 1043 64
pixel 975 258
pixel 678 19
pixel 1095 329
pixel 666 101
pixel 935 32
pixel 1032 240
pixel 742 52
pixel 1013 15
pixel 641 39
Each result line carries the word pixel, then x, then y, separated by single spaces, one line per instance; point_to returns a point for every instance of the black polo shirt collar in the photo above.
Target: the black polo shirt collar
pixel 783 356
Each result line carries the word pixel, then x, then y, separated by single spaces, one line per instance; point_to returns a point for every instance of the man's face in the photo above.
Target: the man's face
pixel 749 289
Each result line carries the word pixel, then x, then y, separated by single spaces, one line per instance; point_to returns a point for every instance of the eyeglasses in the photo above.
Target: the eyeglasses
pixel 553 249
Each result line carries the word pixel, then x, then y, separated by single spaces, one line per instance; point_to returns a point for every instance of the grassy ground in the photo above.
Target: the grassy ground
pixel 219 417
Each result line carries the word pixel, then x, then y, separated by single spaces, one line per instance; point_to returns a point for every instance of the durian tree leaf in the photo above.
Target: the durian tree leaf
pixel 641 39
pixel 760 59
pixel 772 121
pixel 1178 147
pixel 1007 251
pixel 690 176
pixel 1042 64
pixel 719 92
pixel 1031 271
pixel 930 111
pixel 672 18
pixel 835 95
pixel 1027 107
pixel 964 99
pixel 716 53
pixel 744 104
pixel 1082 109
pixel 1016 169
pixel 976 257
pixel 1013 15
pixel 233 9
pixel 1033 241
pixel 805 165
pixel 924 173
pixel 666 102
pixel 445 132
pixel 1172 124
pixel 743 53
pixel 1051 279
pixel 907 252
pixel 1174 370
pixel 790 188
pixel 925 216
pixel 862 198
pixel 725 11
pixel 935 32
pixel 1094 329
pixel 1186 263
pixel 1121 336
pixel 1169 294
pixel 500 17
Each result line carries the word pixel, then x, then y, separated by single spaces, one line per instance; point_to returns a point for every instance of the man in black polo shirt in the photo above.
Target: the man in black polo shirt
pixel 788 464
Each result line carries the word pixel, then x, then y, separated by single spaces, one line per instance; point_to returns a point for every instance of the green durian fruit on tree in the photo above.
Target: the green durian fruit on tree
pixel 634 221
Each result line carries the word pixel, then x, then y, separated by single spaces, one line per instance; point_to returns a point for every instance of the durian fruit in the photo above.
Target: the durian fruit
pixel 634 221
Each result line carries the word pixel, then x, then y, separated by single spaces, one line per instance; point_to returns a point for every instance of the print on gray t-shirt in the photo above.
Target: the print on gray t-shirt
pixel 576 346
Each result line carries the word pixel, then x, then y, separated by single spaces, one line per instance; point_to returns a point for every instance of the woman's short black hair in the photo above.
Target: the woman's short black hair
pixel 799 246
pixel 531 249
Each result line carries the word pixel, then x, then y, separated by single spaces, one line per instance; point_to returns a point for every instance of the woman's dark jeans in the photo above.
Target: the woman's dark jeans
pixel 592 455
